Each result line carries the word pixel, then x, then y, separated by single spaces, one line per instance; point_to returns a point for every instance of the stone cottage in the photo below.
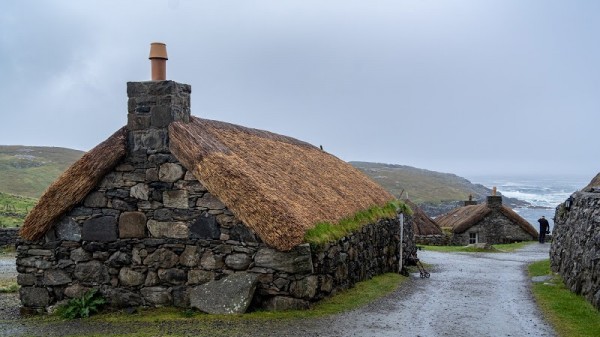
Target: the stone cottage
pixel 425 229
pixel 491 222
pixel 182 211
pixel 575 250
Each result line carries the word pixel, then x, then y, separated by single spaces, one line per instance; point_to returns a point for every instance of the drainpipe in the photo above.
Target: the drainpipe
pixel 158 61
pixel 401 219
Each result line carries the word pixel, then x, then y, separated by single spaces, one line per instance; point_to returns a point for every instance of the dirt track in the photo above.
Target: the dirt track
pixel 467 295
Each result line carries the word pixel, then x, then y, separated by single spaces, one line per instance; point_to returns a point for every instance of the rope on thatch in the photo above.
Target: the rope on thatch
pixel 278 186
pixel 73 185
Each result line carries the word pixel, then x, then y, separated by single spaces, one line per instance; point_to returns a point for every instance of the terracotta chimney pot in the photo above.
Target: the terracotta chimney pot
pixel 158 61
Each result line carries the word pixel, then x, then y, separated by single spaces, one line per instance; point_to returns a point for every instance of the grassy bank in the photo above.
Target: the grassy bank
pixel 13 209
pixel 570 315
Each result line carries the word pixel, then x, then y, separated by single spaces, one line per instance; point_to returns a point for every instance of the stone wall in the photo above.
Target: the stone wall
pixel 8 236
pixel 434 240
pixel 575 250
pixel 495 228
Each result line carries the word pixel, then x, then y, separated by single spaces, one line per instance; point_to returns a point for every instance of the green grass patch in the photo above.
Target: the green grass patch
pixel 361 294
pixel 14 209
pixel 324 232
pixel 498 248
pixel 8 287
pixel 570 314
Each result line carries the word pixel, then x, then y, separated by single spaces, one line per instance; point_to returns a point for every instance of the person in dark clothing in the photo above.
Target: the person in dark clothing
pixel 544 229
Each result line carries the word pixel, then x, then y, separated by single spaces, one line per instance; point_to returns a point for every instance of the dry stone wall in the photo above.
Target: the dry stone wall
pixel 8 236
pixel 495 228
pixel 575 251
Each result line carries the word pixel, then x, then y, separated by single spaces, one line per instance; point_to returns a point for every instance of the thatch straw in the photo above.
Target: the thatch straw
pixel 422 224
pixel 463 218
pixel 277 185
pixel 73 185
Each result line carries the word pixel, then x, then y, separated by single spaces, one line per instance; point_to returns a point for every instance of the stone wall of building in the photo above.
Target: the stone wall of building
pixel 575 250
pixel 150 234
pixel 8 236
pixel 434 240
pixel 495 228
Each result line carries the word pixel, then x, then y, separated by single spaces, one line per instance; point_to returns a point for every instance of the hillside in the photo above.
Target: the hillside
pixel 29 170
pixel 435 192
pixel 13 209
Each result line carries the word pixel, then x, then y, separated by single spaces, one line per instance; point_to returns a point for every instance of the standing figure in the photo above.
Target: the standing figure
pixel 544 228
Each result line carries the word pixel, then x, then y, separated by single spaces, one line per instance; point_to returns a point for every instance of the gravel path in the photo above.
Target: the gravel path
pixel 468 294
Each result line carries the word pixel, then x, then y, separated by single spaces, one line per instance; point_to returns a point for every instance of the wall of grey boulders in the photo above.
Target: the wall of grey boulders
pixel 434 240
pixel 8 236
pixel 575 250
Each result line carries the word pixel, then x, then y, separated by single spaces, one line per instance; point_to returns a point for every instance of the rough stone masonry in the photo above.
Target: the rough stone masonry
pixel 150 234
pixel 575 251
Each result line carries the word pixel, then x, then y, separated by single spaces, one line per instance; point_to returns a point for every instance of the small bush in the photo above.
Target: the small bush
pixel 82 307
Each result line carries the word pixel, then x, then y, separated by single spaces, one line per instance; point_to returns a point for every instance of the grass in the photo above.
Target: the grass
pixel 8 286
pixel 570 314
pixel 498 248
pixel 13 209
pixel 324 232
pixel 183 322
pixel 29 170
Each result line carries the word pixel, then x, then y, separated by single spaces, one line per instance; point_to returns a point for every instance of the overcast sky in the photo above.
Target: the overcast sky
pixel 471 87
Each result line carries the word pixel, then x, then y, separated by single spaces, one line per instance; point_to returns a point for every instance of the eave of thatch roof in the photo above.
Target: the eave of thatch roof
pixel 73 185
pixel 278 186
pixel 422 224
pixel 463 218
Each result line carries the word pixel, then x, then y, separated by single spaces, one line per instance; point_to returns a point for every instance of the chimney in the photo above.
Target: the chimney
pixel 158 61
pixel 470 201
pixel 153 105
pixel 494 201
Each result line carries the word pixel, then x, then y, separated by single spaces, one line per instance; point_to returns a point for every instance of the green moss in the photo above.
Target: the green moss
pixel 324 232
pixel 14 209
pixel 570 314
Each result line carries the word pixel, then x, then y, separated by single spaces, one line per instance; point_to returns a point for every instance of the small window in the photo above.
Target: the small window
pixel 473 238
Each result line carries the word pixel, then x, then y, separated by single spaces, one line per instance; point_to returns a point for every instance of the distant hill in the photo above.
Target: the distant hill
pixel 435 192
pixel 28 170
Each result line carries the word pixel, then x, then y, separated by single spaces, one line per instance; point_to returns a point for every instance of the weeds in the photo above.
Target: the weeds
pixel 82 307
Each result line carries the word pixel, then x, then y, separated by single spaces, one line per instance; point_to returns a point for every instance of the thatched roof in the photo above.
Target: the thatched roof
pixel 422 224
pixel 462 218
pixel 74 184
pixel 276 185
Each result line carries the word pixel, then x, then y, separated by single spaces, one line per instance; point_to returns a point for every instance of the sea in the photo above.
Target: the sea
pixel 543 193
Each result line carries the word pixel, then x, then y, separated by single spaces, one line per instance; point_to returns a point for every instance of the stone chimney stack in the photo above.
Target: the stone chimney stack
pixel 470 201
pixel 494 201
pixel 153 105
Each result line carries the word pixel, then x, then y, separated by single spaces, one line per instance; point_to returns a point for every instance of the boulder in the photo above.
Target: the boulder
pixel 229 295
pixel 170 172
pixel 156 295
pixel 121 298
pixel 130 278
pixel 34 297
pixel 132 225
pixel 176 199
pixel 238 261
pixel 161 258
pixel 172 229
pixel 102 229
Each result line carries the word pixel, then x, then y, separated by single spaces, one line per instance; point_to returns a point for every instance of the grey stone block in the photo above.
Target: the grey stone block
pixel 229 295
pixel 170 229
pixel 132 225
pixel 102 229
pixel 176 199
pixel 296 261
pixel 67 229
pixel 156 295
pixel 161 258
pixel 205 227
pixel 33 297
pixel 95 200
pixel 238 261
pixel 129 277
pixel 92 272
pixel 53 277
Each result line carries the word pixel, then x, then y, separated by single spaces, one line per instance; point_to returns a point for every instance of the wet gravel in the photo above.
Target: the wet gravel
pixel 468 294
